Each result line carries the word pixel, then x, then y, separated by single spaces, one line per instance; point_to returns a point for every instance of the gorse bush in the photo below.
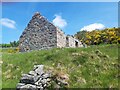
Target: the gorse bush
pixel 95 37
pixel 9 50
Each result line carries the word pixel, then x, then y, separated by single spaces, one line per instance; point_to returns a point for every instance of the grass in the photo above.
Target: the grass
pixel 92 67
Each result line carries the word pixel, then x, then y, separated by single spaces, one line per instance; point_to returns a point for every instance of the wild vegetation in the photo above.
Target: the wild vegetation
pixel 96 37
pixel 11 44
pixel 93 67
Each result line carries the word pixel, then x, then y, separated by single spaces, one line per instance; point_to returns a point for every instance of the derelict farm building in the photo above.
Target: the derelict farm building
pixel 41 34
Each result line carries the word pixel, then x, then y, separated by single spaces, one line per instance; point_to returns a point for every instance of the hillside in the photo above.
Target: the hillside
pixel 92 67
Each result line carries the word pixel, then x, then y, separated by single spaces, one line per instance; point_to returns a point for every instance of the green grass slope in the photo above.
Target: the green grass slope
pixel 92 67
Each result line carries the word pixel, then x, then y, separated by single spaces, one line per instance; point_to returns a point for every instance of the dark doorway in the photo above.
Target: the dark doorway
pixel 76 44
pixel 67 38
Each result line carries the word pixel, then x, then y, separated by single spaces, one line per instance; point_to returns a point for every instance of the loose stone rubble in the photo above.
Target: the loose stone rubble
pixel 42 34
pixel 37 79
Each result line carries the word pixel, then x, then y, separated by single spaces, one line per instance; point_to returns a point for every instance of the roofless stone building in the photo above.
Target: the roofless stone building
pixel 41 34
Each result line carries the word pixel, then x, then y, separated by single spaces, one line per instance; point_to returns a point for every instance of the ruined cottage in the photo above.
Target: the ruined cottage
pixel 42 34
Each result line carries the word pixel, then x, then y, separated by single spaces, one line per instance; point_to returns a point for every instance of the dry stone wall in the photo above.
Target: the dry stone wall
pixel 36 79
pixel 39 79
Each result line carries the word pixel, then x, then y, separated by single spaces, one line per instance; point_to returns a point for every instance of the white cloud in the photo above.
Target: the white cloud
pixel 59 21
pixel 93 26
pixel 8 23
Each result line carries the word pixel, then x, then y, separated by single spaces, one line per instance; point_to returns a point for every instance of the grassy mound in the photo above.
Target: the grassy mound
pixel 92 67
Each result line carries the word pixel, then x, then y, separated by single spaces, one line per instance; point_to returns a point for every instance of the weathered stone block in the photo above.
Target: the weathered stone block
pixel 29 79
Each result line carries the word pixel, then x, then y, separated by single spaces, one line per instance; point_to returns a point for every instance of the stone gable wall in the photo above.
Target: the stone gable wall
pixel 39 34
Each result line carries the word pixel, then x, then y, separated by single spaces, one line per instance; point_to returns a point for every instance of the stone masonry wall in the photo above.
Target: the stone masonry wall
pixel 39 34
pixel 61 38
pixel 72 42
